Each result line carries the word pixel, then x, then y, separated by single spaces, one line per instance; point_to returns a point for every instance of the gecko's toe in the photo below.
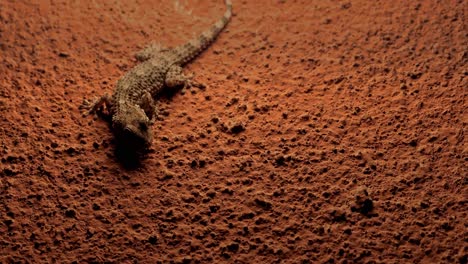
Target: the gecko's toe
pixel 86 108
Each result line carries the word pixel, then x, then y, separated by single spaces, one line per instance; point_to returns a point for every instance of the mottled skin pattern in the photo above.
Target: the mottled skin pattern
pixel 132 104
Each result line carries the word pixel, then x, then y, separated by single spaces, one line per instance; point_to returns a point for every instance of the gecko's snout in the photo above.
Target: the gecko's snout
pixel 132 127
pixel 143 126
pixel 138 134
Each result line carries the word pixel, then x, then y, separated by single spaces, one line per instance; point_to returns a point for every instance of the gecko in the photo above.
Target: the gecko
pixel 132 107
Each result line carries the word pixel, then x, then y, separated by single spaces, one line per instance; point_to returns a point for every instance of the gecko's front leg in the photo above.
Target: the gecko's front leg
pixel 105 102
pixel 149 105
pixel 175 78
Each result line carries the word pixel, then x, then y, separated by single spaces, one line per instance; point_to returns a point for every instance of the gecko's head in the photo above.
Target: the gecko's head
pixel 132 126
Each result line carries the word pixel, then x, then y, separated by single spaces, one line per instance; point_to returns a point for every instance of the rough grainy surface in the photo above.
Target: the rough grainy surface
pixel 329 132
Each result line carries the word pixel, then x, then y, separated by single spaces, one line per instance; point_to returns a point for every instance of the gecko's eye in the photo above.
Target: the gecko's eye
pixel 143 126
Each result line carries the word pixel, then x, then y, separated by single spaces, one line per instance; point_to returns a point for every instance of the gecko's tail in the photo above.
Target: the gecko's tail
pixel 187 52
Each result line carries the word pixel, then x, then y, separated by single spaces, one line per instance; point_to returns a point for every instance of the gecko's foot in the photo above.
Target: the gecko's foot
pixel 176 78
pixel 98 106
pixel 190 84
pixel 198 85
pixel 86 108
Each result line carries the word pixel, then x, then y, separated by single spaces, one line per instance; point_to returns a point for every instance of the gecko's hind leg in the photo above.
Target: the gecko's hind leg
pixel 175 77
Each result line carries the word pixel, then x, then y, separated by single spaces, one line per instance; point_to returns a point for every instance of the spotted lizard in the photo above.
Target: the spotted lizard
pixel 132 106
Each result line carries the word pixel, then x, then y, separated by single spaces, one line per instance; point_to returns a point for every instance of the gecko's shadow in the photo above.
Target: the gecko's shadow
pixel 128 151
pixel 130 156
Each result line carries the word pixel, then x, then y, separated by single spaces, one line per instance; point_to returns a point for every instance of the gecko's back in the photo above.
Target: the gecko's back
pixel 156 62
